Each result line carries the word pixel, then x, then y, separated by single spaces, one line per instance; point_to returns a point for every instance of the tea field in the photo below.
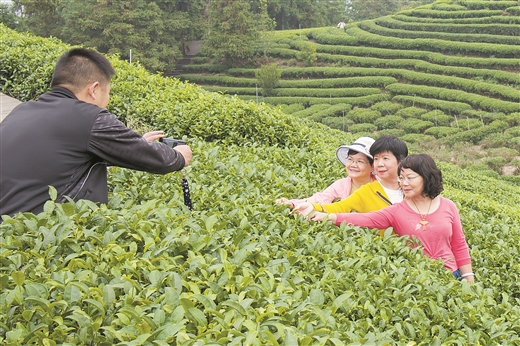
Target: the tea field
pixel 238 270
pixel 437 76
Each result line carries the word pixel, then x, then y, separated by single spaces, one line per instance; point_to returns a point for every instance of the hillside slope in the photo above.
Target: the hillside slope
pixel 444 77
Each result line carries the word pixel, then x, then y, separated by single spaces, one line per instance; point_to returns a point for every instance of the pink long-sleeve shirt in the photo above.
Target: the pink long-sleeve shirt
pixel 340 189
pixel 442 239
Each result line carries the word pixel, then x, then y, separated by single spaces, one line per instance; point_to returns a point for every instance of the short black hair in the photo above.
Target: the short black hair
pixel 425 166
pixel 80 66
pixel 391 144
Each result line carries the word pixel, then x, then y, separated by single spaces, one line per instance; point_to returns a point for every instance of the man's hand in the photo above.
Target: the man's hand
pixel 153 136
pixel 185 152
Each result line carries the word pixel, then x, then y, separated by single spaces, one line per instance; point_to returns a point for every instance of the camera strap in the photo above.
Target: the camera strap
pixel 186 192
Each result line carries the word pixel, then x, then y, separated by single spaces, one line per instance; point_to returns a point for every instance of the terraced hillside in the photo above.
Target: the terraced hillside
pixel 441 76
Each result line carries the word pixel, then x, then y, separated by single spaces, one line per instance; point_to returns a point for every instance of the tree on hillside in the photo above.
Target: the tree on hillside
pixel 184 19
pixel 232 31
pixel 156 31
pixel 265 25
pixel 268 77
pixel 8 16
pixel 42 17
pixel 117 27
pixel 293 14
pixel 370 9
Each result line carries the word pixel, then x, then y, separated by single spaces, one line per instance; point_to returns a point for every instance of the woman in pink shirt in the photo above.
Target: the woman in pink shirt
pixel 359 165
pixel 424 214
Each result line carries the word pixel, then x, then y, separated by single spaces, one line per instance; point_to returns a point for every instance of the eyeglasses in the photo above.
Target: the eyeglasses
pixel 360 163
pixel 407 179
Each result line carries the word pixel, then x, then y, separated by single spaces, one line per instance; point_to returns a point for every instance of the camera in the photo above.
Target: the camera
pixel 172 143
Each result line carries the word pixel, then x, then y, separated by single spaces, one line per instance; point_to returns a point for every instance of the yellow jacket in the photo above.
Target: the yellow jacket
pixel 369 197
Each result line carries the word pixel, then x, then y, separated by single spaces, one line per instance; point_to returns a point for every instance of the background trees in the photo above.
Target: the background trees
pixel 158 31
pixel 231 30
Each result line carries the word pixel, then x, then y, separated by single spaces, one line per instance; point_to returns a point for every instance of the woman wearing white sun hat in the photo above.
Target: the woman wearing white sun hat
pixel 388 152
pixel 358 163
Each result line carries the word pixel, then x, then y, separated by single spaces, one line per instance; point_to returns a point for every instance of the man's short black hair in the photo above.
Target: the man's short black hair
pixel 80 66
pixel 391 144
pixel 425 166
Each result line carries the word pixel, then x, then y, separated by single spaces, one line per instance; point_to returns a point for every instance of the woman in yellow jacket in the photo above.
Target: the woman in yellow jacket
pixel 387 152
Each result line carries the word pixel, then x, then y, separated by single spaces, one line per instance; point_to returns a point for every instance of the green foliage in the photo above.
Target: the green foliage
pixel 388 122
pixel 339 123
pixel 410 112
pixel 416 138
pixel 155 32
pixel 360 128
pixel 26 75
pixel 386 107
pixel 231 35
pixel 307 54
pixel 268 77
pixel 441 131
pixel 361 115
pixel 437 117
pixel 338 110
pixel 415 125
pixel 238 269
pixel 292 108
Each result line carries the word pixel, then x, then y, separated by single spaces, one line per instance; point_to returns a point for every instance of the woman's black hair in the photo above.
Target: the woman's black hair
pixel 424 165
pixel 392 144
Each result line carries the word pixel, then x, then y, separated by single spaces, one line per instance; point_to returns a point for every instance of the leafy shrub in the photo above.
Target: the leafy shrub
pixel 468 123
pixel 292 108
pixel 362 115
pixel 333 37
pixel 307 54
pixel 482 169
pixel 429 103
pixel 357 128
pixel 388 122
pixel 338 123
pixel 386 107
pixel 514 10
pixel 268 77
pixel 513 119
pixel 437 117
pixel 311 110
pixel 416 138
pixel 508 154
pixel 204 68
pixel 513 131
pixel 415 125
pixel 410 112
pixel 441 131
pixel 496 163
pixel 392 132
pixel 338 110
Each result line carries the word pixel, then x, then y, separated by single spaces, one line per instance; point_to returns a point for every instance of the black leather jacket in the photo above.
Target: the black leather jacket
pixel 63 142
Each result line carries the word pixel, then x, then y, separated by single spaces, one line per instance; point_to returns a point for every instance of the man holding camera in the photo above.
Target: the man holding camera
pixel 67 138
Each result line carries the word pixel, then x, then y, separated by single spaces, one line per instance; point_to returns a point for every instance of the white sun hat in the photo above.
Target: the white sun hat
pixel 361 145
